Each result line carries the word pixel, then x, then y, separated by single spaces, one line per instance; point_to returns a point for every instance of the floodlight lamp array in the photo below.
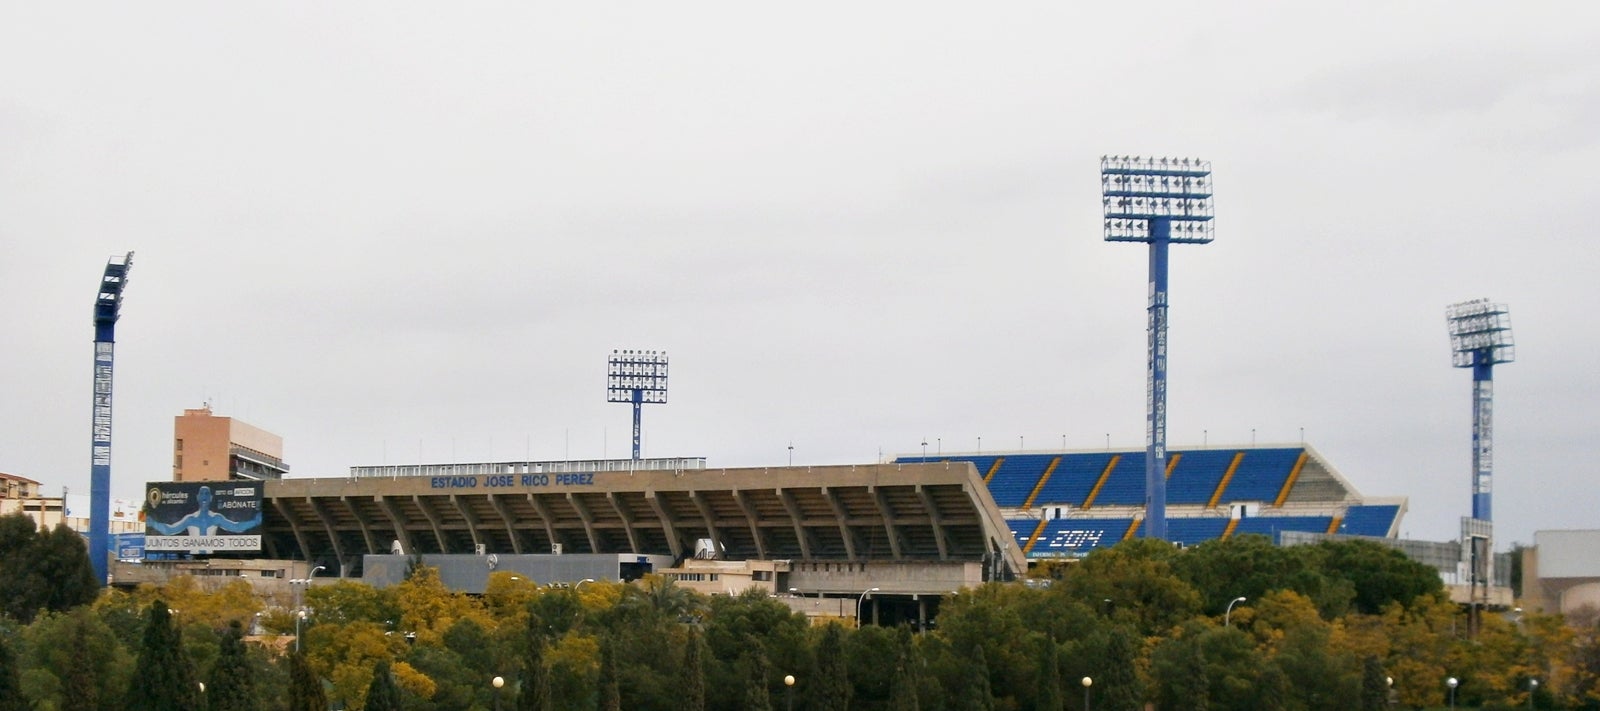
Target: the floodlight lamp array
pixel 1163 165
pixel 1139 231
pixel 1480 333
pixel 630 371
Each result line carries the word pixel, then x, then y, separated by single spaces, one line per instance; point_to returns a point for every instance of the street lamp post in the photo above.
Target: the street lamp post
pixel 1227 615
pixel 1452 682
pixel 497 682
pixel 788 682
pixel 1533 685
pixel 298 616
pixel 1087 682
pixel 860 601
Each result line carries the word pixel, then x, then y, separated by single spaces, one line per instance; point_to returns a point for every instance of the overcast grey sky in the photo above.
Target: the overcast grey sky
pixel 392 231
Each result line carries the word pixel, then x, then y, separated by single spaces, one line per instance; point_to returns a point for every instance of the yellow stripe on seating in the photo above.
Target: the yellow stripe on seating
pixel 1232 524
pixel 1104 475
pixel 1294 474
pixel 1132 529
pixel 1035 537
pixel 993 468
pixel 1226 477
pixel 1040 486
pixel 1333 526
pixel 1173 463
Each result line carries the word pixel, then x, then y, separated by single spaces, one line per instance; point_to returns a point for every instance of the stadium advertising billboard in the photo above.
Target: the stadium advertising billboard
pixel 210 517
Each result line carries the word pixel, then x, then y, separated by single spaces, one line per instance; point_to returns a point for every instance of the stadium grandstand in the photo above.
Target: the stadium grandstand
pixel 1067 504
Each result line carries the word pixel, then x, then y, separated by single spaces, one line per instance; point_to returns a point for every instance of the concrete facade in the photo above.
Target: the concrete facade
pixel 935 512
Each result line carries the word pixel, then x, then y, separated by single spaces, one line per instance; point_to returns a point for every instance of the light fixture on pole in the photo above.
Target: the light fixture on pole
pixel 1087 682
pixel 299 616
pixel 1157 201
pixel 788 683
pixel 1533 685
pixel 1228 614
pixel 637 377
pixel 1480 339
pixel 861 601
pixel 1452 682
pixel 497 682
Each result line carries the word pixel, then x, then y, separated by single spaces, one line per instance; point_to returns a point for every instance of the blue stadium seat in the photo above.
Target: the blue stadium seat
pixel 1073 479
pixel 1273 525
pixel 1369 520
pixel 1261 474
pixel 1195 477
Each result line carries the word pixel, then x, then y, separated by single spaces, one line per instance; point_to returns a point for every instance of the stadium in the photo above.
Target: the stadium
pixel 884 540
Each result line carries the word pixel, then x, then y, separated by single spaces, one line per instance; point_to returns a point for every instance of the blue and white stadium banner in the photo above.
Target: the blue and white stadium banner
pixel 209 517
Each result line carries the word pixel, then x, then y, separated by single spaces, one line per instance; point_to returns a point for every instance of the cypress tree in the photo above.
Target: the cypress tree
pixel 832 688
pixel 1117 688
pixel 11 698
pixel 232 686
pixel 610 685
pixel 694 673
pixel 162 679
pixel 382 694
pixel 1374 685
pixel 535 693
pixel 903 686
pixel 80 689
pixel 305 689
pixel 755 690
pixel 975 694
pixel 1051 697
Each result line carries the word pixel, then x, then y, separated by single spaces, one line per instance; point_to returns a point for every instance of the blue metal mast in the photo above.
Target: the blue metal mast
pixel 107 308
pixel 639 378
pixel 1158 201
pixel 1480 338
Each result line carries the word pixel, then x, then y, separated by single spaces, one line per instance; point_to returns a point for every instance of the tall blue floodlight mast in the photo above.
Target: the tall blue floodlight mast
pixel 107 307
pixel 637 377
pixel 1158 201
pixel 1480 338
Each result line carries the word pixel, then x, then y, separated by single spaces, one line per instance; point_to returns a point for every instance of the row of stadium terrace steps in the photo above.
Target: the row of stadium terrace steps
pixel 1202 477
pixel 1078 536
pixel 1205 479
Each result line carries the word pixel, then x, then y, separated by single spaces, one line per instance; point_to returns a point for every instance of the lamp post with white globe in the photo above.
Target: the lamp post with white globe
pixel 1533 685
pixel 788 683
pixel 1087 682
pixel 497 682
pixel 1452 682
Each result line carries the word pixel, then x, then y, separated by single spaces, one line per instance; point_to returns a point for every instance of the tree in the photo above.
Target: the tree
pixel 1050 696
pixel 232 684
pixel 757 670
pixel 305 689
pixel 974 694
pixel 535 693
pixel 831 690
pixel 11 698
pixel 1374 685
pixel 162 679
pixel 694 672
pixel 1117 688
pixel 903 687
pixel 383 694
pixel 610 690
pixel 42 570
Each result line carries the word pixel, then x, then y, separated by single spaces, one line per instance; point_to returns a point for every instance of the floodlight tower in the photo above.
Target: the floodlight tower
pixel 638 377
pixel 1480 338
pixel 107 308
pixel 1158 201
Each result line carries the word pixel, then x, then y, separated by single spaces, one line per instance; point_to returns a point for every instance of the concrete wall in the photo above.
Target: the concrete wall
pixel 470 573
